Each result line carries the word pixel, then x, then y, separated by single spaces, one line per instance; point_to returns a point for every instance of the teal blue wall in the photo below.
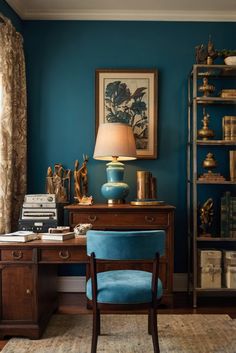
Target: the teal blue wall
pixel 62 57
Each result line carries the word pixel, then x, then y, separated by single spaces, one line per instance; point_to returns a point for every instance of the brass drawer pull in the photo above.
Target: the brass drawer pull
pixel 92 218
pixel 64 254
pixel 149 219
pixel 28 291
pixel 17 254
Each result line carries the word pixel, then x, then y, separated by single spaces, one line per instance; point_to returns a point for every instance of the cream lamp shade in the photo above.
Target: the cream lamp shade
pixel 115 142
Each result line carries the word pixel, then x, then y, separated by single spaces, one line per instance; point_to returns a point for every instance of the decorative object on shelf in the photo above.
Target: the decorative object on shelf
pixel 205 54
pixel 82 228
pixel 229 128
pixel 58 183
pixel 206 213
pixel 205 133
pixel 230 60
pixel 115 142
pixel 201 54
pixel 228 93
pixel 228 55
pixel 206 88
pixel 232 165
pixel 211 52
pixel 210 163
pixel 81 182
pixel 130 97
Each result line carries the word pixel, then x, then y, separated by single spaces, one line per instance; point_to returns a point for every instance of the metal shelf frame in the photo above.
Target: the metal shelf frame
pixel 193 184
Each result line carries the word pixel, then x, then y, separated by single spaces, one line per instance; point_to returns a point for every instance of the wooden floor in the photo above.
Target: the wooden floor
pixel 71 303
pixel 75 303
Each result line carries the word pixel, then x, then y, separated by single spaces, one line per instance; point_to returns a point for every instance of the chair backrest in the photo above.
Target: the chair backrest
pixel 126 245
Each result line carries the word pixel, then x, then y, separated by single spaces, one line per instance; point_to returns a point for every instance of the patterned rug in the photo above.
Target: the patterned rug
pixel 128 334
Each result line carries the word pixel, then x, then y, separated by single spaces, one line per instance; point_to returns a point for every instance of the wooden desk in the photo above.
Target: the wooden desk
pixel 28 275
pixel 28 271
pixel 120 217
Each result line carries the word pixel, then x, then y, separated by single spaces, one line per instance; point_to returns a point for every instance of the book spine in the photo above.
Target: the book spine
pixel 233 217
pixel 227 197
pixel 232 165
pixel 223 218
pixel 226 128
pixel 233 128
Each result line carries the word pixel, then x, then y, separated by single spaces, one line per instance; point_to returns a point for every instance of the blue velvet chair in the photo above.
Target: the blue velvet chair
pixel 125 289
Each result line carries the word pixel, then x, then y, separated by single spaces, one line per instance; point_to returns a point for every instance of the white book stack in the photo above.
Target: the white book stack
pixel 19 236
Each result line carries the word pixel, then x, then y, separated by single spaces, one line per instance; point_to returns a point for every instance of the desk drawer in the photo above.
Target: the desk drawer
pixel 121 219
pixel 63 255
pixel 17 255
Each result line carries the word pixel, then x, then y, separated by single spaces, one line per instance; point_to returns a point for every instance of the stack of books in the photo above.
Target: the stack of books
pixel 57 236
pixel 228 216
pixel 229 128
pixel 19 236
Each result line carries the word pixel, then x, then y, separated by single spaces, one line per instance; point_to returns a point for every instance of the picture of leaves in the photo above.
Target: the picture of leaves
pixel 127 102
pixel 129 96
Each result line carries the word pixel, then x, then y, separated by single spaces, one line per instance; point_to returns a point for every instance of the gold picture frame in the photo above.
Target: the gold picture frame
pixel 130 96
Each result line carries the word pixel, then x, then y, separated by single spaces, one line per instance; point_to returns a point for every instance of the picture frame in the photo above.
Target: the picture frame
pixel 130 96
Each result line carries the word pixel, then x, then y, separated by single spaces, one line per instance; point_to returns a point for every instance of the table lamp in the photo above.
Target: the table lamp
pixel 115 142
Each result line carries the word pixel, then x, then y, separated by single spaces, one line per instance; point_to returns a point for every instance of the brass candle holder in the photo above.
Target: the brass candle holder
pixel 206 88
pixel 205 133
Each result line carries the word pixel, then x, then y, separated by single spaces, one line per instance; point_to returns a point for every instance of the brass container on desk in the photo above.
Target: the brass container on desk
pixel 143 184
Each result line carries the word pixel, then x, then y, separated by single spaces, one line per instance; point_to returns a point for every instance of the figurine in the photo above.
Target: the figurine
pixel 81 180
pixel 201 54
pixel 212 53
pixel 58 182
pixel 206 216
pixel 205 133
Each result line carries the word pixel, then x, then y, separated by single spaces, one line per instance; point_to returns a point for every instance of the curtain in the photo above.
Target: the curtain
pixel 13 126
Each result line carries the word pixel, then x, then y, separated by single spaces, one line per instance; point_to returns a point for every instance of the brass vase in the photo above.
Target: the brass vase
pixel 205 133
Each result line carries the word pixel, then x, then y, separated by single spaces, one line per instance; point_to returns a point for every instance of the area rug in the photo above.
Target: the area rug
pixel 128 334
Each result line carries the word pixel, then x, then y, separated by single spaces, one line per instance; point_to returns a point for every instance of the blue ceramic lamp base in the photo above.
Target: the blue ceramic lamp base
pixel 115 190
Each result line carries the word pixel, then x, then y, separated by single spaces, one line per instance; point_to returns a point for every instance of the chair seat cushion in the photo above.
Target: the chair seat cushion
pixel 124 287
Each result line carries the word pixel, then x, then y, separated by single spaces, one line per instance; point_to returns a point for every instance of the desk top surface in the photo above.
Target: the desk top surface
pixel 121 207
pixel 75 242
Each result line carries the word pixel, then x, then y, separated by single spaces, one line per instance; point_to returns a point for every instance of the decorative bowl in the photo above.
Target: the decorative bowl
pixel 230 60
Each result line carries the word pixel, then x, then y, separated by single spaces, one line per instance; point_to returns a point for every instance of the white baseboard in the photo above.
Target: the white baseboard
pixel 76 284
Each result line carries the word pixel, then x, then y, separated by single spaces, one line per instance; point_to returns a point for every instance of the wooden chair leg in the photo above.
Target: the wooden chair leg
pixel 149 322
pixel 96 330
pixel 154 330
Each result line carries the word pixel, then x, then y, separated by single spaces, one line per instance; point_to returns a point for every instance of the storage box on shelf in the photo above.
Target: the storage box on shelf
pixel 229 269
pixel 211 167
pixel 209 271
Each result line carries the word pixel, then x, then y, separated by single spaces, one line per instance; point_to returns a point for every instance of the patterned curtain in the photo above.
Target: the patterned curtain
pixel 13 126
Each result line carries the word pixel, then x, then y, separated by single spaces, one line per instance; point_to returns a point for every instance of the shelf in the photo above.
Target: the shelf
pixel 215 239
pixel 215 100
pixel 218 290
pixel 216 182
pixel 216 143
pixel 215 71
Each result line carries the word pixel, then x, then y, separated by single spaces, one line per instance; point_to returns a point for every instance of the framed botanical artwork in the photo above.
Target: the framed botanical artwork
pixel 130 97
